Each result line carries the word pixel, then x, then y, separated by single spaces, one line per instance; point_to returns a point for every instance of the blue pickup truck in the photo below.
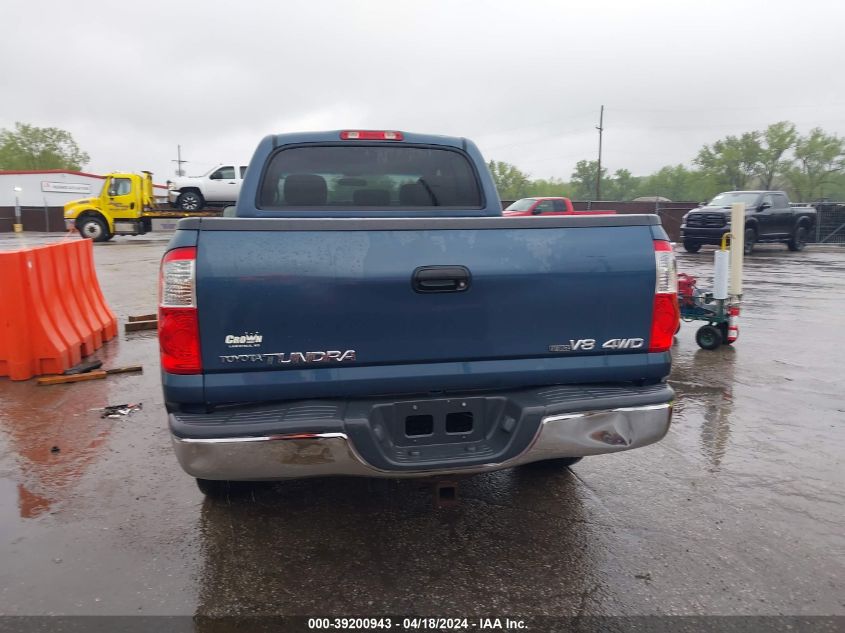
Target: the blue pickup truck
pixel 368 311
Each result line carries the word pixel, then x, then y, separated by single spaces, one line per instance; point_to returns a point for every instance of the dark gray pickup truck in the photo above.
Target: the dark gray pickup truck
pixel 769 218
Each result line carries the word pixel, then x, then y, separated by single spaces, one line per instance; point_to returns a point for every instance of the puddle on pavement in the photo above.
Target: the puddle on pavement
pixel 8 506
pixel 51 435
pixel 54 439
pixel 704 382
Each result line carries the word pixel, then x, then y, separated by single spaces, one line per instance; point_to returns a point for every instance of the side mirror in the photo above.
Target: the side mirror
pixel 536 212
pixel 229 212
pixel 763 206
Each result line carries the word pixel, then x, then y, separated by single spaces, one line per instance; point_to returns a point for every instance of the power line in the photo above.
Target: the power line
pixel 730 108
pixel 724 126
pixel 641 127
pixel 646 127
pixel 548 137
pixel 537 123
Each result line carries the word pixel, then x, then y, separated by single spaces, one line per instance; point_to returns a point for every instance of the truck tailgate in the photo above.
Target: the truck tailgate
pixel 430 301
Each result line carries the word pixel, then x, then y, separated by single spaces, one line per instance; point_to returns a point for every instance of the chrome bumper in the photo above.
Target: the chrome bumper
pixel 326 454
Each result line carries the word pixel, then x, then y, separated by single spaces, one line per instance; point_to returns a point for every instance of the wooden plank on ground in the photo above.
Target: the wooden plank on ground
pixel 136 326
pixel 60 380
pixel 125 370
pixel 91 375
pixel 142 317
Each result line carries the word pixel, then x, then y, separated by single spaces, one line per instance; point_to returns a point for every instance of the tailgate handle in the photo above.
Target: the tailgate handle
pixel 441 279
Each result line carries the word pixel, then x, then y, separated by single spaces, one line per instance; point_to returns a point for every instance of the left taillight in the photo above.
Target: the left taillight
pixel 178 325
pixel 665 313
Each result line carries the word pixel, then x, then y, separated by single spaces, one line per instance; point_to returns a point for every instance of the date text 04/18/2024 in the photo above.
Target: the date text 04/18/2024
pixel 416 624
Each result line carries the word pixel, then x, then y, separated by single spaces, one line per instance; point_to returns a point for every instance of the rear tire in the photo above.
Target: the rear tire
pixel 750 238
pixel 213 488
pixel 799 239
pixel 708 337
pixel 190 201
pixel 692 247
pixel 93 228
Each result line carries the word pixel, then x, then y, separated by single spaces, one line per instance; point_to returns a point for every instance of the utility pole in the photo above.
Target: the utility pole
pixel 600 128
pixel 179 161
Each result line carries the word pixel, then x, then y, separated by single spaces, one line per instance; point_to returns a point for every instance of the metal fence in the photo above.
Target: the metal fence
pixel 830 223
pixel 671 213
pixel 33 218
pixel 829 229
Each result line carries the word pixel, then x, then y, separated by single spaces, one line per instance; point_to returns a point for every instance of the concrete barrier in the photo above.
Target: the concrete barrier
pixel 52 311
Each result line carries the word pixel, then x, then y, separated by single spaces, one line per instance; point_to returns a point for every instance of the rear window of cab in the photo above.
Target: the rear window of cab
pixel 368 176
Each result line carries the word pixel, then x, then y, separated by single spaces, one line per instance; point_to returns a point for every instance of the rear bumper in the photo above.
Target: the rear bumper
pixel 557 430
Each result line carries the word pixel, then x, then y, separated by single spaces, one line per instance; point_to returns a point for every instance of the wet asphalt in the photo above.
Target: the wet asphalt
pixel 739 510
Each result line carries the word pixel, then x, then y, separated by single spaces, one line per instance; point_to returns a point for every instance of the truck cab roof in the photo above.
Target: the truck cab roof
pixel 295 138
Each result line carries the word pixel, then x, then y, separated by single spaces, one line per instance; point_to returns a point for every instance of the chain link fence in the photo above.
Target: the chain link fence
pixel 830 223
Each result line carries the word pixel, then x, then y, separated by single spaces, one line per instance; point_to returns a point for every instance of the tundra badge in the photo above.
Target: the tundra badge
pixel 292 358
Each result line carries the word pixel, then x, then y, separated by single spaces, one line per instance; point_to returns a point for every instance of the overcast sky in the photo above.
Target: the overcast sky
pixel 524 79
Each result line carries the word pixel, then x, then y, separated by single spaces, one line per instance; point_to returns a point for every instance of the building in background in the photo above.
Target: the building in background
pixel 53 187
pixel 43 193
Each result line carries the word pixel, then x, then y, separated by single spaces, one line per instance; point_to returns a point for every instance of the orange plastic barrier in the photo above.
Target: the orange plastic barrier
pixel 52 311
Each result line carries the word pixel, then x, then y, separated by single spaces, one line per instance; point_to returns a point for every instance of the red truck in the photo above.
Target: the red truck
pixel 548 206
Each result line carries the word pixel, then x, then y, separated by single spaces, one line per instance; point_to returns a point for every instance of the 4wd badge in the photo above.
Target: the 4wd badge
pixel 589 344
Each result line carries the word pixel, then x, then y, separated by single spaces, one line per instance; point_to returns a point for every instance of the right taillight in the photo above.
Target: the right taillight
pixel 178 326
pixel 665 315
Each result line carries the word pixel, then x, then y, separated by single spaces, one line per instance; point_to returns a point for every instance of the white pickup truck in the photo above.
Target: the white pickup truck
pixel 219 186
